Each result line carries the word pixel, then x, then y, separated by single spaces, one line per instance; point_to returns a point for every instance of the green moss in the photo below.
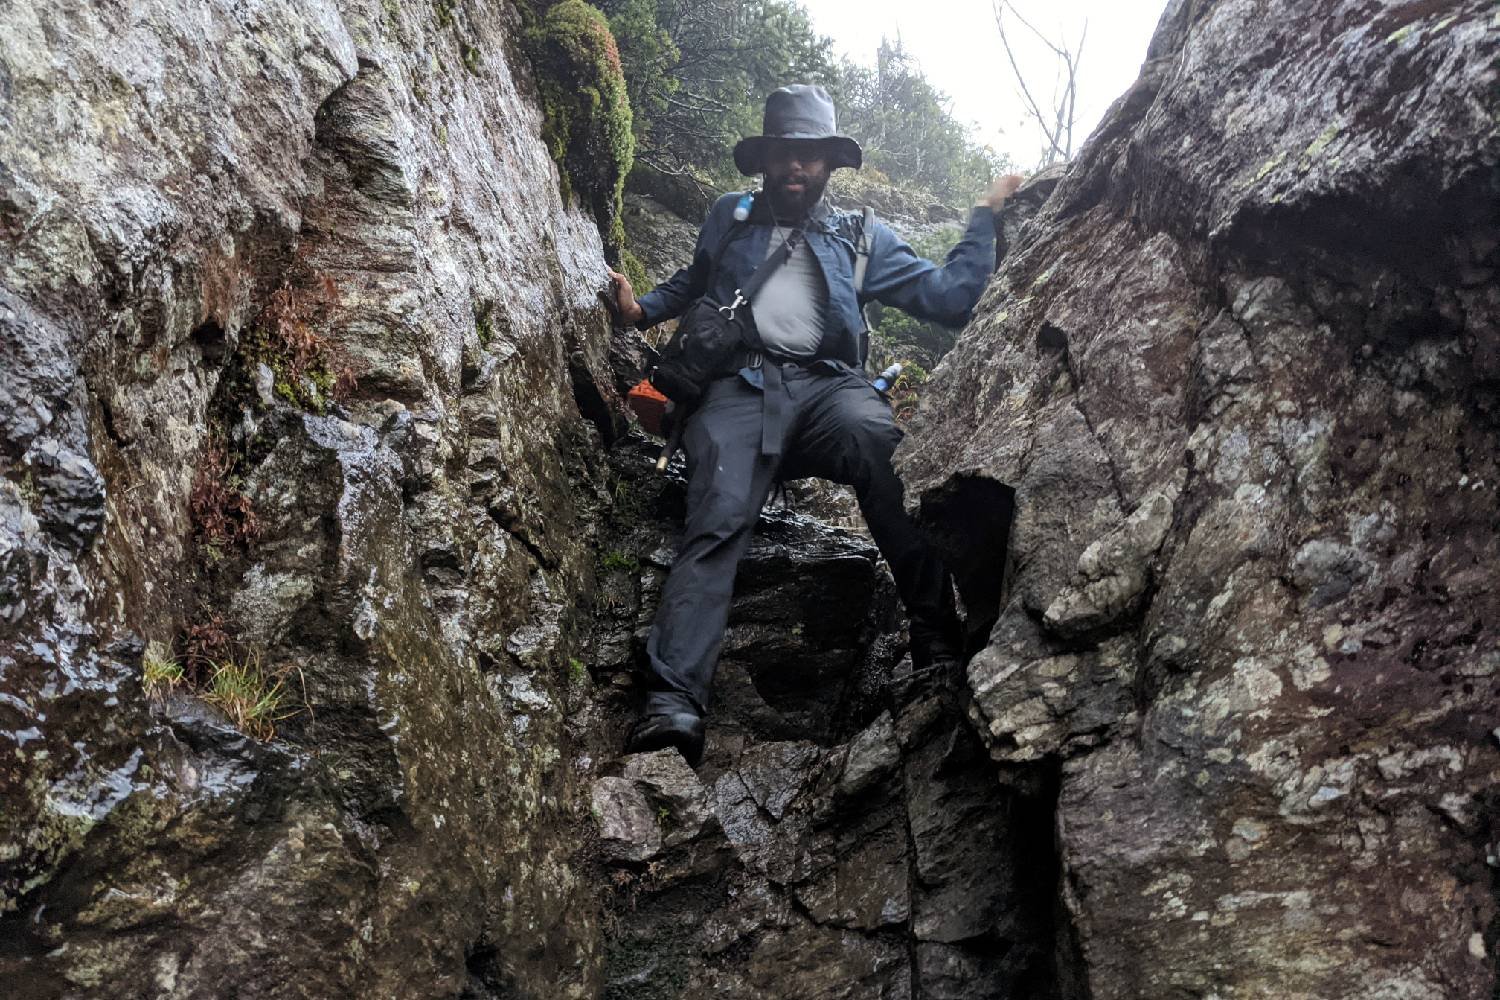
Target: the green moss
pixel 632 268
pixel 615 559
pixel 471 59
pixel 587 126
pixel 29 492
pixel 484 322
pixel 303 394
pixel 578 670
pixel 304 368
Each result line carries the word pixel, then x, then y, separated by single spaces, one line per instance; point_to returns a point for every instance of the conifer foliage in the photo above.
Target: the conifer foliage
pixel 698 71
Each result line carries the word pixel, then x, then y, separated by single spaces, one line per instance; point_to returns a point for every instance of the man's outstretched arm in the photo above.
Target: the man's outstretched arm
pixel 943 294
pixel 672 297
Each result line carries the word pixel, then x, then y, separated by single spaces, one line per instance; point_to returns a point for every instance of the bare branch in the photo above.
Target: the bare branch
pixel 1033 108
pixel 1055 124
pixel 1007 5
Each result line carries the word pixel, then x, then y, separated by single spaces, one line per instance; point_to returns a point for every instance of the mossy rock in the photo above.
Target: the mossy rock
pixel 588 119
pixel 632 268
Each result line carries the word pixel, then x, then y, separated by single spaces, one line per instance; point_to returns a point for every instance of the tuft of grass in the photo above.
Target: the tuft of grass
pixel 159 672
pixel 253 699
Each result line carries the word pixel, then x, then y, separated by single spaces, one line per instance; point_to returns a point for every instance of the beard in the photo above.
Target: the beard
pixel 791 204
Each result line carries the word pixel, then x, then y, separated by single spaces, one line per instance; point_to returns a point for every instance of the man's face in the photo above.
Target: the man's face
pixel 796 174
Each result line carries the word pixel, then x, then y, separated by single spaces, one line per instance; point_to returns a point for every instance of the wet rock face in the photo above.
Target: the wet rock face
pixel 1230 733
pixel 421 559
pixel 1241 375
pixel 846 834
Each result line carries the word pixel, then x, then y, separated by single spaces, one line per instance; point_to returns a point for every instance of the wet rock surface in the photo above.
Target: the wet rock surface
pixel 412 557
pixel 1215 468
pixel 1241 376
pixel 846 835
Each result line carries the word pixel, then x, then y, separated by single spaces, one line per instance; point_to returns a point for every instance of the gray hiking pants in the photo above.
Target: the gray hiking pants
pixel 834 425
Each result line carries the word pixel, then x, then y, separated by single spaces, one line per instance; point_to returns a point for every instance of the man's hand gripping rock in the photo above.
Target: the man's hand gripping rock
pixel 631 312
pixel 1001 188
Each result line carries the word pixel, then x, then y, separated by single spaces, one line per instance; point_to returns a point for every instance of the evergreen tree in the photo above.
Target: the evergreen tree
pixel 698 72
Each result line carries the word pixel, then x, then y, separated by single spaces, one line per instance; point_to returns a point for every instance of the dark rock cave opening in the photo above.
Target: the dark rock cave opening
pixel 969 518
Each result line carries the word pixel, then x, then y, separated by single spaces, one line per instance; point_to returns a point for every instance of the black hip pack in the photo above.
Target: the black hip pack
pixel 710 335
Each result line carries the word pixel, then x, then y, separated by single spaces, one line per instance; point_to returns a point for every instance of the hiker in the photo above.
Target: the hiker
pixel 800 404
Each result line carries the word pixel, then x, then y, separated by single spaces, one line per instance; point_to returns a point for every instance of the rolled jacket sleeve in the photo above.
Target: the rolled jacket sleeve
pixel 945 294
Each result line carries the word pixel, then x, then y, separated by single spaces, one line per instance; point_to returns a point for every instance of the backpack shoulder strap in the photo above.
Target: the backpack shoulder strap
pixel 862 248
pixel 735 226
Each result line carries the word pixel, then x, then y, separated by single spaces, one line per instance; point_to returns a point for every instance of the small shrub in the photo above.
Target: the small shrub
pixel 308 374
pixel 205 644
pixel 906 393
pixel 615 559
pixel 223 516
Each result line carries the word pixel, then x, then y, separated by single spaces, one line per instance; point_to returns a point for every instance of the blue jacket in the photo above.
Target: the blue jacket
pixel 895 275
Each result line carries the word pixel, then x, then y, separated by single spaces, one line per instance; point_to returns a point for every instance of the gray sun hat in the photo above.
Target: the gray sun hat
pixel 800 111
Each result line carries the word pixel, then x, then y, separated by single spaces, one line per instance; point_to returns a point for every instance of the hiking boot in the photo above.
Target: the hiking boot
pixel 681 730
pixel 939 648
pixel 937 662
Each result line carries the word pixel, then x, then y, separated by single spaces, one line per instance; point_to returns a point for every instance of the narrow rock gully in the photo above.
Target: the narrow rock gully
pixel 847 835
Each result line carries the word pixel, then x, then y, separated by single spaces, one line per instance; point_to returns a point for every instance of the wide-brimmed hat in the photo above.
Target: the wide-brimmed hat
pixel 801 111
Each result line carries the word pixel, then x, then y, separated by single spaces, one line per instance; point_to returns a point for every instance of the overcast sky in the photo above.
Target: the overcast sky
pixel 958 46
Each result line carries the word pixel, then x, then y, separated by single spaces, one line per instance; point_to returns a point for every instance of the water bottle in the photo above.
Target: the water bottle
pixel 887 378
pixel 742 207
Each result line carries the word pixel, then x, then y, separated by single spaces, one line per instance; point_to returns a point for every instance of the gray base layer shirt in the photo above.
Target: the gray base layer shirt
pixel 789 306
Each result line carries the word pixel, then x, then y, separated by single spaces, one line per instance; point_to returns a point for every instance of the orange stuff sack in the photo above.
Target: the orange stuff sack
pixel 649 405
